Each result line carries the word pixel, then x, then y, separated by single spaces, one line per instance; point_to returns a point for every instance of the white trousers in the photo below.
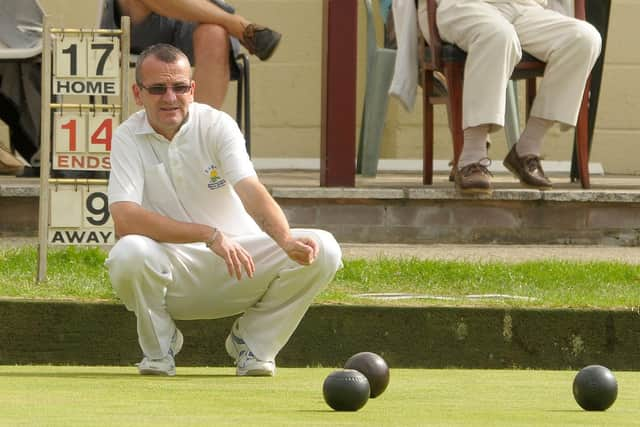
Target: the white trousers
pixel 494 36
pixel 161 282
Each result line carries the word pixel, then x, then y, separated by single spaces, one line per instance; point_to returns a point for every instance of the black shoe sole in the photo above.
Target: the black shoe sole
pixel 474 191
pixel 273 46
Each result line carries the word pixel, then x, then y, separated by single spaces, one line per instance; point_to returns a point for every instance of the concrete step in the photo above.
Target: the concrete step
pixel 397 208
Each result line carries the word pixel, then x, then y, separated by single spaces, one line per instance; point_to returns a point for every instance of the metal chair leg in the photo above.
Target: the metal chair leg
pixel 239 97
pixel 243 100
pixel 247 103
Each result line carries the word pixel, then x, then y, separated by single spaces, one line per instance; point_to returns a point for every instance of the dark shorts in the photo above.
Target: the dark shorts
pixel 159 29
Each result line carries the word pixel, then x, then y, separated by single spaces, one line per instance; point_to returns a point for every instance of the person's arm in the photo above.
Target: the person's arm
pixel 131 218
pixel 269 216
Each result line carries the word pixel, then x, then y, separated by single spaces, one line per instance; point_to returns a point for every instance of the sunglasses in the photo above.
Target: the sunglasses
pixel 179 89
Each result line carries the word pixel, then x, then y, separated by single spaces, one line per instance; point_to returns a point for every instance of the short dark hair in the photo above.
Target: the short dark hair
pixel 163 51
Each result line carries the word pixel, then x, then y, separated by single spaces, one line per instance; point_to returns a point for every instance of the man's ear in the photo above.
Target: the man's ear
pixel 137 94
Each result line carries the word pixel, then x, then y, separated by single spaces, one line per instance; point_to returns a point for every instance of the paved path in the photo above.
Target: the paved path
pixel 483 253
pixel 486 253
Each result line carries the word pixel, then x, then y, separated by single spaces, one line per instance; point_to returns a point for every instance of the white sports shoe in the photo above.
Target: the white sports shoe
pixel 247 364
pixel 164 366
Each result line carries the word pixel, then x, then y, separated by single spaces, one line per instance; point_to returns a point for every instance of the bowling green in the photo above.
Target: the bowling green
pixel 118 396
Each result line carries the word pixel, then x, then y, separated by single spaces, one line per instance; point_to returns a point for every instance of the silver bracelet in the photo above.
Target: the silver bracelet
pixel 213 238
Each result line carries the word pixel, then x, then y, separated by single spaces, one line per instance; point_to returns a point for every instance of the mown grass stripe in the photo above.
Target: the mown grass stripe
pixel 76 272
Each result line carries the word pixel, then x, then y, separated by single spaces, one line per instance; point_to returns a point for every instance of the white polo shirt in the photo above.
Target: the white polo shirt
pixel 541 2
pixel 189 178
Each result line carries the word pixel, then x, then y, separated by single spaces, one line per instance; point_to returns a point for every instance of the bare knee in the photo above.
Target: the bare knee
pixel 210 42
pixel 135 9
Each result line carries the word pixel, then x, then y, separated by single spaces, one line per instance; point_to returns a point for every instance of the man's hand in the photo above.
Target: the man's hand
pixel 302 250
pixel 234 255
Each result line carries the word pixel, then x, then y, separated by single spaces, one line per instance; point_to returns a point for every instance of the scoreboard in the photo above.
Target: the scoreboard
pixel 79 66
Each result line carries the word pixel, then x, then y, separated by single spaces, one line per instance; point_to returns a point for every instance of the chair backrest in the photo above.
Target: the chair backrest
pixel 372 39
pixel 372 42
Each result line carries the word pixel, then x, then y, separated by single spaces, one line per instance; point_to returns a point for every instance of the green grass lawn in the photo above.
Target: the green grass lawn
pixel 117 396
pixel 78 273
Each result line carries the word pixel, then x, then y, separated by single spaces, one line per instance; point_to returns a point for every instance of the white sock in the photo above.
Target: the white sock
pixel 530 142
pixel 475 145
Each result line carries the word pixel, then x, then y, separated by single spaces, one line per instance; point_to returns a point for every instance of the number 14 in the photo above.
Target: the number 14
pixel 72 132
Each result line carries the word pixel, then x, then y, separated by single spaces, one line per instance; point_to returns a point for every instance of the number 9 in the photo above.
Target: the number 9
pixel 102 208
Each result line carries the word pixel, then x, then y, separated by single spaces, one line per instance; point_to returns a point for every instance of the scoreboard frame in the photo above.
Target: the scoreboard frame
pixel 80 63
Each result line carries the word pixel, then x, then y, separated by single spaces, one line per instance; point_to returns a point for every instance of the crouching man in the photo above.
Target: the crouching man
pixel 199 235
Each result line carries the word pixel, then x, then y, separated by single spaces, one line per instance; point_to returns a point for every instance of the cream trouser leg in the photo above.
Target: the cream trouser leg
pixel 161 282
pixel 494 35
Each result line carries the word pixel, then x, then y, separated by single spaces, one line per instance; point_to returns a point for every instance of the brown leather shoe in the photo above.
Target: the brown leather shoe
pixel 474 178
pixel 452 171
pixel 527 169
pixel 260 41
pixel 9 165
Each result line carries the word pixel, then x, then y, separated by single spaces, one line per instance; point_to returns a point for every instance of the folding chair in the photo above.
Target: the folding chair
pixel 380 66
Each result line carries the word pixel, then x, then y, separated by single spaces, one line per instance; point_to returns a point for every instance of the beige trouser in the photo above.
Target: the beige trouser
pixel 494 36
pixel 161 282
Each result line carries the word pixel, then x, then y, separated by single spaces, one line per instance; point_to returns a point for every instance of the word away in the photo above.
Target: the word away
pixel 81 237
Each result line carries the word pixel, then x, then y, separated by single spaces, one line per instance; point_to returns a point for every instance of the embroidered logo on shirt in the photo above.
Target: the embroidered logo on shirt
pixel 215 181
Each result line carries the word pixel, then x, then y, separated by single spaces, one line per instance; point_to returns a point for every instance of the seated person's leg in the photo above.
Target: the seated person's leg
pixel 570 48
pixel 258 40
pixel 472 171
pixel 523 160
pixel 493 51
pixel 147 28
pixel 206 45
pixel 18 139
pixel 211 49
pixel 134 9
pixel 9 165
